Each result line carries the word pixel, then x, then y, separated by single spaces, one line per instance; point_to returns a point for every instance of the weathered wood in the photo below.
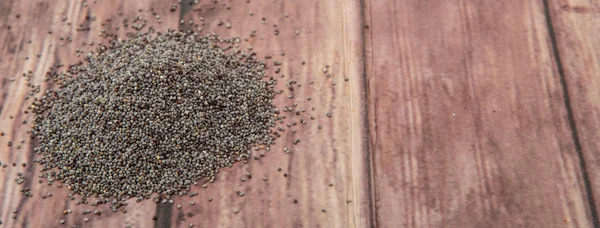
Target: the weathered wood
pixel 329 35
pixel 576 27
pixel 468 122
pixel 474 118
pixel 37 18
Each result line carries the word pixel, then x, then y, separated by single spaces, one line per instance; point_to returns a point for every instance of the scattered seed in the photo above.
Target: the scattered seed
pixel 182 100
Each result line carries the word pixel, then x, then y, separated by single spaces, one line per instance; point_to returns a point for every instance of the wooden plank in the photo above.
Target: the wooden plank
pixel 576 26
pixel 36 19
pixel 467 117
pixel 329 34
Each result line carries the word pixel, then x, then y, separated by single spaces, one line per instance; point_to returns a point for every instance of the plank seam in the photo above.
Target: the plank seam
pixel 369 156
pixel 570 116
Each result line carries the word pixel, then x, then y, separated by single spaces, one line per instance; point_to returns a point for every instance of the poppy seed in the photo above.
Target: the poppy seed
pixel 162 111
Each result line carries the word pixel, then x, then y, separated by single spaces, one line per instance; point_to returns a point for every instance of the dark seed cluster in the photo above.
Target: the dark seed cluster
pixel 157 113
pixel 152 114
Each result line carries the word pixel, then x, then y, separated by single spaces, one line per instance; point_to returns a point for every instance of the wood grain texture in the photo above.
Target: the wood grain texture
pixel 456 114
pixel 468 122
pixel 576 26
pixel 330 34
pixel 37 18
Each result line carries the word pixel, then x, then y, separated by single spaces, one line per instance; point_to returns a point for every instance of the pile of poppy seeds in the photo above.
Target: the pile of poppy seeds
pixel 153 115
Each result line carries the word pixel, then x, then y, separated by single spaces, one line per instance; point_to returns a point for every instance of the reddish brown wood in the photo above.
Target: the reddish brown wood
pixel 576 25
pixel 329 35
pixel 467 120
pixel 467 117
pixel 36 19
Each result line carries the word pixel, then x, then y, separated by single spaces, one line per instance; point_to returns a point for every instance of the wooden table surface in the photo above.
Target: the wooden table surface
pixel 457 113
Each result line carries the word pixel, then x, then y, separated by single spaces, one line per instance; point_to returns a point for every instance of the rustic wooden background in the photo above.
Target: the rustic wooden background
pixel 458 113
